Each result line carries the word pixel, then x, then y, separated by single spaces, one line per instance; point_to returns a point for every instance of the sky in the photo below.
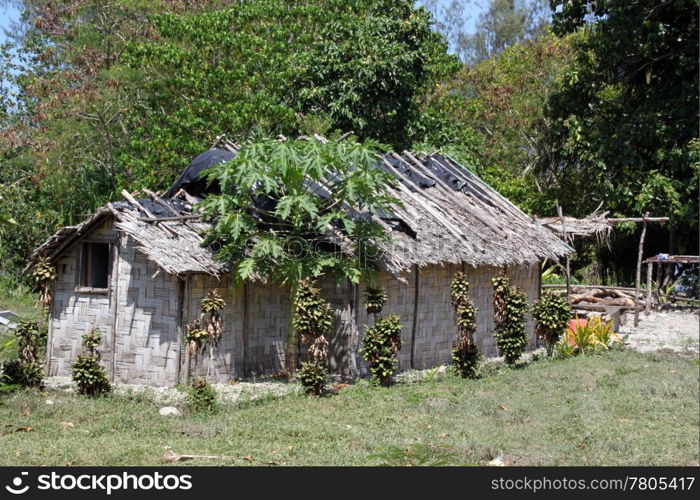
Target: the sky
pixel 8 15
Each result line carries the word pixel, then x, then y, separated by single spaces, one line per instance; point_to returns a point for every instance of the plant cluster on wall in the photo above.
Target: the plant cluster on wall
pixel 465 355
pixel 510 306
pixel 382 341
pixel 312 320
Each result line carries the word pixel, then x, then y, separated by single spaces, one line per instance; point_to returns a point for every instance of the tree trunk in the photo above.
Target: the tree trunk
pixel 291 356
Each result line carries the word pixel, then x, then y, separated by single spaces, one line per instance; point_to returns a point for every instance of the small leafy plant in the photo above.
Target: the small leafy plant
pixel 43 274
pixel 27 369
pixel 201 397
pixel 88 374
pixel 207 329
pixel 312 376
pixel 374 298
pixel 583 336
pixel 465 355
pixel 510 306
pixel 313 320
pixel 380 348
pixel 552 314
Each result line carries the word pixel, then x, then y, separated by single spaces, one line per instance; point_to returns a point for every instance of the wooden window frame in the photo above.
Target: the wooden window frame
pixel 79 287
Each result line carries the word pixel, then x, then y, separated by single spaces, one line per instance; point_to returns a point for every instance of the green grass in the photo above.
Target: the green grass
pixel 18 299
pixel 617 408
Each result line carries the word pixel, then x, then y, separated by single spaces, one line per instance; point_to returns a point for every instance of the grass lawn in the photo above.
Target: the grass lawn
pixel 617 408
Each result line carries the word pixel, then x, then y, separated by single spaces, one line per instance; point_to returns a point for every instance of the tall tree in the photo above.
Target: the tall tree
pixel 113 95
pixel 502 24
pixel 625 120
pixel 491 116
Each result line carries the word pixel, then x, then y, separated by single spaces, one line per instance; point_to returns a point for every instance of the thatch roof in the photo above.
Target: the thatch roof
pixel 448 215
pixel 596 224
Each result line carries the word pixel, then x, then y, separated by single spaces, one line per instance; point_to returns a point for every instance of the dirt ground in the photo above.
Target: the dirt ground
pixel 667 332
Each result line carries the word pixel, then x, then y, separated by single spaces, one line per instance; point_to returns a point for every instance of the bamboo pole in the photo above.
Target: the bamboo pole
pixel 414 326
pixel 639 268
pixel 650 268
pixel 568 260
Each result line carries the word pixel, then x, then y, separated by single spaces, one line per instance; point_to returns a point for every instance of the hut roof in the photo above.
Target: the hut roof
pixel 448 215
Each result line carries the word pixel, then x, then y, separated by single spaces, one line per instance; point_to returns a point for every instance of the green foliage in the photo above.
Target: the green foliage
pixel 101 96
pixel 87 372
pixel 213 302
pixel 584 336
pixel 490 117
pixel 551 313
pixel 623 122
pixel 313 317
pixel 43 274
pixel 27 369
pixel 380 348
pixel 510 307
pixel 201 397
pixel 503 24
pixel 465 355
pixel 312 320
pixel 287 237
pixel 195 336
pixel 312 376
pixel 17 373
pixel 374 298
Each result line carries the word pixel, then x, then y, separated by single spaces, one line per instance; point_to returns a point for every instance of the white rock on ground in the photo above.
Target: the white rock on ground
pixel 168 411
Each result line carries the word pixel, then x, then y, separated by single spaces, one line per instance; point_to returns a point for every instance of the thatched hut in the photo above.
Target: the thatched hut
pixel 137 270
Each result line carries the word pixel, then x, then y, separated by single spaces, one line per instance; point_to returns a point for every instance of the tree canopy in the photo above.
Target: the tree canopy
pixel 624 123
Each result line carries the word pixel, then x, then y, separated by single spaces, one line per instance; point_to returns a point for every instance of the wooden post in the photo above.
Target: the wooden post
pixel 650 267
pixel 186 304
pixel 180 326
pixel 414 326
pixel 245 327
pixel 568 260
pixel 114 306
pixel 639 268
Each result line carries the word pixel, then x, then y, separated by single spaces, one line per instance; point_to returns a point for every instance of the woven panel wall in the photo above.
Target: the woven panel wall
pixel 74 313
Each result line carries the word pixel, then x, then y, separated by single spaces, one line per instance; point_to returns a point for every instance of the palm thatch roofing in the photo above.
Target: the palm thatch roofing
pixel 596 223
pixel 447 215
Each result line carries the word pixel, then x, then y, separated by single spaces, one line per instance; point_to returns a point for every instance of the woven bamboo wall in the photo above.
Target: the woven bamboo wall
pixel 435 330
pixel 75 312
pixel 147 344
pixel 256 324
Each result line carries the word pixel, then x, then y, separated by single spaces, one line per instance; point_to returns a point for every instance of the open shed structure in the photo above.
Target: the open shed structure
pixel 137 270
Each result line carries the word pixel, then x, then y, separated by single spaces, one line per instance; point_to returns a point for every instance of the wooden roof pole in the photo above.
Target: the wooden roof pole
pixel 568 260
pixel 639 268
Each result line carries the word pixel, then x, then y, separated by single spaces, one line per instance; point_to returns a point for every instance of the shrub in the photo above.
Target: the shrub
pixel 465 355
pixel 374 299
pixel 586 335
pixel 381 346
pixel 312 320
pixel 201 397
pixel 552 314
pixel 312 376
pixel 510 305
pixel 88 374
pixel 43 274
pixel 27 369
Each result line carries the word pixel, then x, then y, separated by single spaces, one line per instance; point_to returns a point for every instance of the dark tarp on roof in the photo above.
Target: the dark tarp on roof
pixel 189 179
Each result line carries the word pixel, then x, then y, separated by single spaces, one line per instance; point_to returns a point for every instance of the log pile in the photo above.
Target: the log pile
pixel 594 297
